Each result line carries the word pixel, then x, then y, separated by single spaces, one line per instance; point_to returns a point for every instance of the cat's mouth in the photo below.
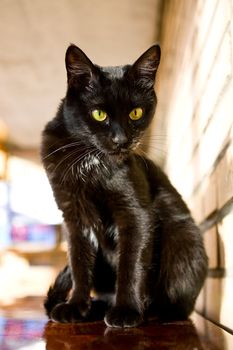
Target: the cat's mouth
pixel 119 154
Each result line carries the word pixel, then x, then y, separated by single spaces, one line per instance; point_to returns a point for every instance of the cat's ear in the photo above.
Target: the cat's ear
pixel 78 65
pixel 146 66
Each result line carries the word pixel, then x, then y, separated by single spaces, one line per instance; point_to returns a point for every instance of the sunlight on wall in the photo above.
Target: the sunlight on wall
pixel 195 110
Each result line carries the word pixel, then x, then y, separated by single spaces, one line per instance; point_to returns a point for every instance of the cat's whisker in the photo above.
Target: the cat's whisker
pixel 80 168
pixel 62 147
pixel 158 135
pixel 158 151
pixel 155 147
pixel 160 138
pixel 149 138
pixel 89 151
pixel 66 172
pixel 99 164
pixel 150 145
pixel 103 163
pixel 157 156
pixel 143 159
pixel 67 156
pixel 80 157
pixel 58 142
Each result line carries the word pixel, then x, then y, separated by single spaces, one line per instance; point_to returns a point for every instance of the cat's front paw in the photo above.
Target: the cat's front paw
pixel 65 313
pixel 123 317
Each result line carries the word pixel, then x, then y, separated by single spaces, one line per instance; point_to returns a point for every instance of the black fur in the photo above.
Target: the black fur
pixel 59 292
pixel 131 237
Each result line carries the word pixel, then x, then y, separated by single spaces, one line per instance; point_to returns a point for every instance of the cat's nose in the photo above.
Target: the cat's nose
pixel 119 140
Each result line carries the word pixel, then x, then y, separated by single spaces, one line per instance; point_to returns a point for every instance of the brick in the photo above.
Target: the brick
pixel 204 201
pixel 215 84
pixel 218 302
pixel 195 105
pixel 226 303
pixel 205 12
pixel 228 340
pixel 199 98
pixel 183 180
pixel 224 177
pixel 209 46
pixel 216 189
pixel 196 207
pixel 221 250
pixel 214 291
pixel 211 246
pixel 200 302
pixel 213 109
pixel 214 139
pixel 210 195
pixel 226 241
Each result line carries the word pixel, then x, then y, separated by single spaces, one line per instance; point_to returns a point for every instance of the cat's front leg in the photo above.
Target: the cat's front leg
pixel 128 309
pixel 82 258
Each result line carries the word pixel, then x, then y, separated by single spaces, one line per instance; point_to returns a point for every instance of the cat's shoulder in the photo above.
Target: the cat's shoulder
pixel 154 171
pixel 146 163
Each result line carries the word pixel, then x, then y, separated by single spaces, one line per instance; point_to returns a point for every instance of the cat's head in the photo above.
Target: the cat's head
pixel 109 108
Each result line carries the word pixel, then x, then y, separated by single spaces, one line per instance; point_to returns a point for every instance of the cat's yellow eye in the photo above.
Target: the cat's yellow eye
pixel 99 115
pixel 136 113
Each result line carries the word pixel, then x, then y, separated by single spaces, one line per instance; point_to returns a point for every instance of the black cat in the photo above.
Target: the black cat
pixel 130 235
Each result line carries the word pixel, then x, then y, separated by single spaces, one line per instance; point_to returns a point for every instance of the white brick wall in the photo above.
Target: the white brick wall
pixel 195 122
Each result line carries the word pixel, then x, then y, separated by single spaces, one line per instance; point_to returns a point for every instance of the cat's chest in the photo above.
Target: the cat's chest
pixel 88 166
pixel 67 168
pixel 84 169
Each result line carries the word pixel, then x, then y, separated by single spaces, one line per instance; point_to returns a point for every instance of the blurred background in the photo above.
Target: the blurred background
pixel 191 136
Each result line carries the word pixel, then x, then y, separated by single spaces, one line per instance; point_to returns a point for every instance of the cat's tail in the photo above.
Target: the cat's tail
pixel 58 293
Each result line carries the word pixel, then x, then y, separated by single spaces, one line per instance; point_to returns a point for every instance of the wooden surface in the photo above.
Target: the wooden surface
pixel 23 325
pixel 180 335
